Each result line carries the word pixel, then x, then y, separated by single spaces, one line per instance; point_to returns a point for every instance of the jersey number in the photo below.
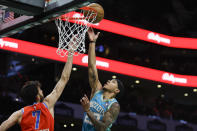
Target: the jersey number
pixel 37 115
pixel 87 119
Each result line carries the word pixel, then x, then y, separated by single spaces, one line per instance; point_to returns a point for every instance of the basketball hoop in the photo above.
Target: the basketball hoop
pixel 74 24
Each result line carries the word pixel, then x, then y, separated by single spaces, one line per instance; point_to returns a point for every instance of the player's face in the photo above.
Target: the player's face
pixel 111 85
pixel 40 94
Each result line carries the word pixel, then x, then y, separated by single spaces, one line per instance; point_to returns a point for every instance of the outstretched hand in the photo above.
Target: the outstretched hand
pixel 85 103
pixel 92 35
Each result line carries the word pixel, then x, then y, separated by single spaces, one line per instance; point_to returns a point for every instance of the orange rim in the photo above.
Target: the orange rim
pixel 88 8
pixel 78 18
pixel 72 18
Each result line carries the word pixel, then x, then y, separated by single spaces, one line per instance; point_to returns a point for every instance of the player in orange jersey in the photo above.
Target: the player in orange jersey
pixel 39 115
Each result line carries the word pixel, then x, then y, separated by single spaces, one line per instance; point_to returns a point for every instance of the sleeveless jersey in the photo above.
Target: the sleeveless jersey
pixel 98 106
pixel 37 118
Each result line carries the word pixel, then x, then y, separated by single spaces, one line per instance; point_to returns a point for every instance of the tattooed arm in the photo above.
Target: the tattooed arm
pixel 109 117
pixel 92 70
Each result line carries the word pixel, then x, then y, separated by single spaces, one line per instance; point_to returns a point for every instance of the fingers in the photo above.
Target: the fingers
pixel 90 31
pixel 81 101
pixel 84 100
pixel 98 34
pixel 85 103
pixel 92 35
pixel 86 96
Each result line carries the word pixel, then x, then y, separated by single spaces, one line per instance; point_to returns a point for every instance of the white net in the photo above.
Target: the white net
pixel 72 29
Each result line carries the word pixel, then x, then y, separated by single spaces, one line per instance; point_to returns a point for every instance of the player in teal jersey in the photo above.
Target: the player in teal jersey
pixel 102 110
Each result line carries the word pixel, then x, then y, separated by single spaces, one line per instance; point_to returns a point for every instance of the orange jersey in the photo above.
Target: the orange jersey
pixel 37 118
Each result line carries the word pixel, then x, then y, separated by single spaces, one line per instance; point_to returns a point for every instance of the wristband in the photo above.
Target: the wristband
pixel 87 111
pixel 92 41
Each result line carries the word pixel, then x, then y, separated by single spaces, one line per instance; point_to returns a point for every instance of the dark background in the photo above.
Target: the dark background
pixel 170 17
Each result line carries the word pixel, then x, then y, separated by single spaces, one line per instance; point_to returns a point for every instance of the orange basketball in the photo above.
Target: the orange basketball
pixel 95 8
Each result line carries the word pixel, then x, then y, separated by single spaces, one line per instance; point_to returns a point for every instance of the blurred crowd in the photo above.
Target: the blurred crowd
pixel 161 107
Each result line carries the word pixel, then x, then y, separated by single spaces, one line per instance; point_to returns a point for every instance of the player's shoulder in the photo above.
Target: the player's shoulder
pixel 26 109
pixel 18 113
pixel 115 105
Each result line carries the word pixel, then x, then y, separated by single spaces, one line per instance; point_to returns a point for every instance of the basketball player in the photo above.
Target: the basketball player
pixel 102 109
pixel 39 115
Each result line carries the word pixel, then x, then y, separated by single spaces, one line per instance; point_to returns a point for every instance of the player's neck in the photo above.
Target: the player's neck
pixel 107 95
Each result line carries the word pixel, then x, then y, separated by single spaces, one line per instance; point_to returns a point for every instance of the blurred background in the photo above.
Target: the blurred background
pixel 146 105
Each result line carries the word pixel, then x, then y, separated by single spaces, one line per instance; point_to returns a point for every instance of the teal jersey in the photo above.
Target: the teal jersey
pixel 98 106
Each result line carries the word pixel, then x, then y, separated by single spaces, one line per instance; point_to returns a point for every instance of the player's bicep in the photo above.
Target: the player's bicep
pixel 111 115
pixel 93 78
pixel 94 82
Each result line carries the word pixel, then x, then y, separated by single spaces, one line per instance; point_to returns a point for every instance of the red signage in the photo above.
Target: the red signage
pixel 141 34
pixel 102 63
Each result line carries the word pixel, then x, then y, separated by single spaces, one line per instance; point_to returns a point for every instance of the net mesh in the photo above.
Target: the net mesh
pixel 72 28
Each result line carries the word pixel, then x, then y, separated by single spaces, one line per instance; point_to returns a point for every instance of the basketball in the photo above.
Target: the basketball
pixel 95 8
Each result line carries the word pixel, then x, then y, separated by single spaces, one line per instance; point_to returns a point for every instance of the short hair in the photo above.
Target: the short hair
pixel 121 88
pixel 29 91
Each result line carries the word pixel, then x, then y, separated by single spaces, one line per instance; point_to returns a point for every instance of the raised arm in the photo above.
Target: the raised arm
pixel 52 98
pixel 11 121
pixel 109 117
pixel 92 70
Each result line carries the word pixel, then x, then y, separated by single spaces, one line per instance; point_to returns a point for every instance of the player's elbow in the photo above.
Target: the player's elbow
pixel 64 78
pixel 102 127
pixel 91 65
